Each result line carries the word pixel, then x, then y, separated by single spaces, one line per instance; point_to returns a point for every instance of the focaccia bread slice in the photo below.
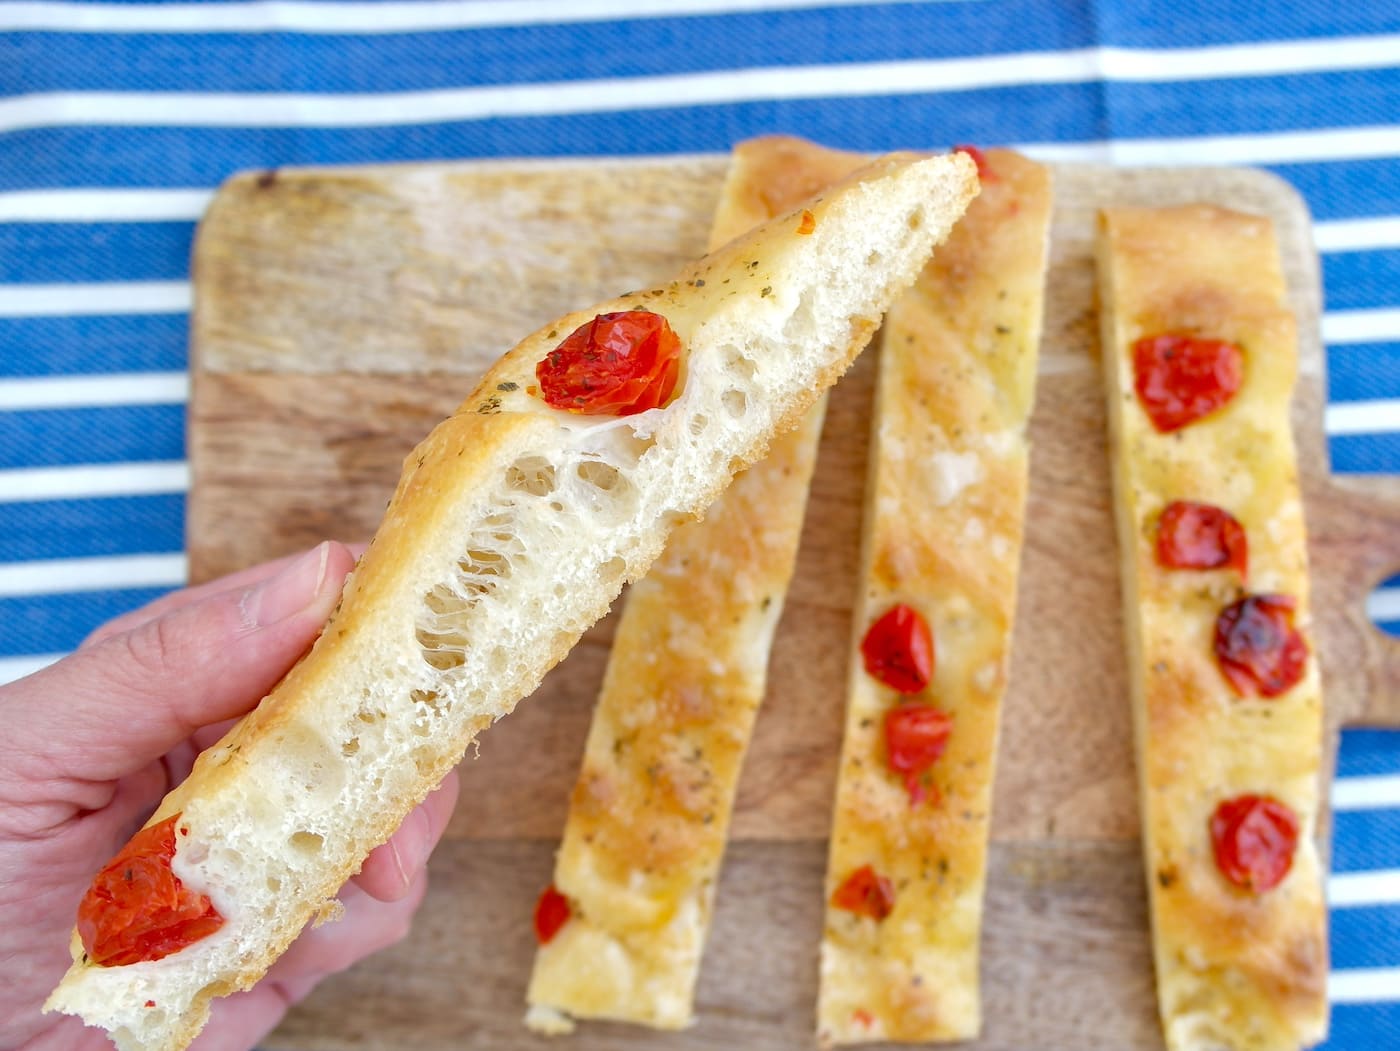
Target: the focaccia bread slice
pixel 650 813
pixel 512 529
pixel 1241 966
pixel 945 498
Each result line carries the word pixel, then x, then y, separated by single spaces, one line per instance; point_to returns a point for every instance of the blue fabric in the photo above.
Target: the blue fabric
pixel 48 529
pixel 1324 102
pixel 99 435
pixel 1365 453
pixel 68 346
pixel 40 623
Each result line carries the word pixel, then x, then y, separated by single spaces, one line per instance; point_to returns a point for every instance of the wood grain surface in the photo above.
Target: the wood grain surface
pixel 339 314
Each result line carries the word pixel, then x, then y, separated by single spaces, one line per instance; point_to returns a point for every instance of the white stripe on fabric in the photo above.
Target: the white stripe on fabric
pixel 1281 147
pixel 1377 792
pixel 1384 604
pixel 1364 985
pixel 709 87
pixel 102 206
pixel 1362 417
pixel 65 575
pixel 82 392
pixel 1251 59
pixel 541 99
pixel 1354 889
pixel 1361 326
pixel 86 481
pixel 1357 235
pixel 1256 58
pixel 534 100
pixel 12 668
pixel 115 297
pixel 402 17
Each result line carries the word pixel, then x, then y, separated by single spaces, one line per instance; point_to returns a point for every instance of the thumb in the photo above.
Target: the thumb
pixel 110 709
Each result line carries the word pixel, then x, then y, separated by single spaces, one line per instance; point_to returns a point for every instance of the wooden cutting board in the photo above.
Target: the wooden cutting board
pixel 340 313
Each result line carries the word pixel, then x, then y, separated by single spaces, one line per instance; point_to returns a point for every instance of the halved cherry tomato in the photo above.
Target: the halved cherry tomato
pixel 1258 648
pixel 915 737
pixel 137 909
pixel 1200 536
pixel 615 365
pixel 1254 838
pixel 551 912
pixel 1179 379
pixel 898 650
pixel 866 893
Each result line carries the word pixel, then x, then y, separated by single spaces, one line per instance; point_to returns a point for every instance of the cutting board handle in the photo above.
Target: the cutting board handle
pixel 1387 702
pixel 1366 513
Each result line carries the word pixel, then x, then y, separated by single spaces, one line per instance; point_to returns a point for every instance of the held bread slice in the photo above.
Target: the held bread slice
pixel 944 515
pixel 512 529
pixel 1237 969
pixel 650 813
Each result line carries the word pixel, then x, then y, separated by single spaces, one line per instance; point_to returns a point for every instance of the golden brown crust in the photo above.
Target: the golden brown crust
pixel 773 175
pixel 943 527
pixel 1234 970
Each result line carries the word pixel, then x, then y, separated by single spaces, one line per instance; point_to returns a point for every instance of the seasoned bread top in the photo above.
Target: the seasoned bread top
pixel 1235 970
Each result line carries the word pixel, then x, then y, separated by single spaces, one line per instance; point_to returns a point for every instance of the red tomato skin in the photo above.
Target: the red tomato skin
pixel 916 735
pixel 552 911
pixel 866 893
pixel 137 909
pixel 618 364
pixel 1259 651
pixel 984 168
pixel 1180 379
pixel 1201 536
pixel 1254 839
pixel 898 650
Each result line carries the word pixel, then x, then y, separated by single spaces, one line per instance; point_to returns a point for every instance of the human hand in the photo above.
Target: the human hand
pixel 92 744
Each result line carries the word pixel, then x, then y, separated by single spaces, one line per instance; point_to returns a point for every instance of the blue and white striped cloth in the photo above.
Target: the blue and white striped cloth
pixel 118 119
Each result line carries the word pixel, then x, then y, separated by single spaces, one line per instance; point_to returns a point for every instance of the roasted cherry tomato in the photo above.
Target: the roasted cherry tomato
pixel 1254 839
pixel 1200 536
pixel 137 909
pixel 1179 379
pixel 915 736
pixel 1257 646
pixel 616 365
pixel 866 893
pixel 984 169
pixel 551 912
pixel 898 650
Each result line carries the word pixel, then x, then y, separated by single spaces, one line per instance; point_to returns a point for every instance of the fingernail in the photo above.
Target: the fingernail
pixel 289 592
pixel 404 878
pixel 410 845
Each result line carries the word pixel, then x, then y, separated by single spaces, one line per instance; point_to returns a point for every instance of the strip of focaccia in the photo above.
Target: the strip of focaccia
pixel 943 525
pixel 647 825
pixel 1236 970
